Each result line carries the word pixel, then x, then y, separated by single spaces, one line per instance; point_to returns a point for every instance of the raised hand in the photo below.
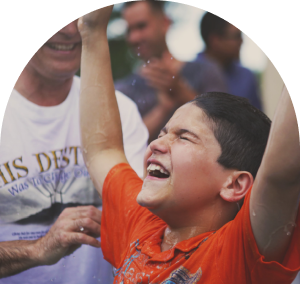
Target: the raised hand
pixel 95 21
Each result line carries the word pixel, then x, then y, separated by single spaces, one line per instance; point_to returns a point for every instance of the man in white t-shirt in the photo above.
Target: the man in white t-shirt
pixel 42 172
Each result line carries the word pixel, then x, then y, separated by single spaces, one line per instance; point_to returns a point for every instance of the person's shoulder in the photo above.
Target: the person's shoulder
pixel 243 70
pixel 202 64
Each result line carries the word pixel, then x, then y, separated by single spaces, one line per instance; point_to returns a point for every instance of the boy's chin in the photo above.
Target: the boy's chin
pixel 144 200
pixel 147 198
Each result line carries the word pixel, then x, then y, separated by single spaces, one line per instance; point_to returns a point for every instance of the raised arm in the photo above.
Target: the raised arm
pixel 101 131
pixel 275 195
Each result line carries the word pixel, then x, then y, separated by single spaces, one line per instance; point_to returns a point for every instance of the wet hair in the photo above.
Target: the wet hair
pixel 212 24
pixel 156 6
pixel 241 129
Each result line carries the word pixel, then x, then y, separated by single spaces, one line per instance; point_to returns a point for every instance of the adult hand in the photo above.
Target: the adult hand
pixel 95 21
pixel 75 226
pixel 162 73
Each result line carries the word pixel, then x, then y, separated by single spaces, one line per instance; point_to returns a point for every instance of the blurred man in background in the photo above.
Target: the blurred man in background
pixel 162 83
pixel 42 172
pixel 222 45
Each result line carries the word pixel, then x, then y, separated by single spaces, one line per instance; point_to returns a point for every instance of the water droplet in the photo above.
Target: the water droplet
pixel 173 77
pixel 138 54
pixel 170 89
pixel 148 61
pixel 288 233
pixel 171 58
pixel 81 228
pixel 133 82
pixel 85 150
pixel 253 214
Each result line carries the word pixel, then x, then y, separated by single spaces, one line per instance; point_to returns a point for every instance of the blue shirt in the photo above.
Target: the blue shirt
pixel 240 81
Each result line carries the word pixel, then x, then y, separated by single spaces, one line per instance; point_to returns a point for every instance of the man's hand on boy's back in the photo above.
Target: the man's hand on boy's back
pixel 275 196
pixel 74 227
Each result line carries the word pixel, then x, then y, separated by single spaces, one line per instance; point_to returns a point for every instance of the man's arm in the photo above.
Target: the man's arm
pixel 100 123
pixel 275 196
pixel 74 227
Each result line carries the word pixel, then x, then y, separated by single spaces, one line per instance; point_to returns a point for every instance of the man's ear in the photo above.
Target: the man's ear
pixel 236 186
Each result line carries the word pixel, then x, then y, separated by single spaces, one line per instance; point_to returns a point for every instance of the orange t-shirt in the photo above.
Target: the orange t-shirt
pixel 131 237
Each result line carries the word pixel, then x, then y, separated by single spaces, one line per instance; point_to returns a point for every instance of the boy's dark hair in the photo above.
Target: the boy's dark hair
pixel 241 129
pixel 156 6
pixel 212 24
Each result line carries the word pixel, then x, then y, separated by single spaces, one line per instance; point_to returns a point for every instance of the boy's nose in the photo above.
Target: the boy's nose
pixel 160 145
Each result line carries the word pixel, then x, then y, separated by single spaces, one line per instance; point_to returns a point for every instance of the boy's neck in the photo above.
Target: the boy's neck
pixel 173 236
pixel 208 221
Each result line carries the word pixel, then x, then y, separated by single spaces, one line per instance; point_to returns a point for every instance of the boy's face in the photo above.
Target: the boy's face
pixel 183 172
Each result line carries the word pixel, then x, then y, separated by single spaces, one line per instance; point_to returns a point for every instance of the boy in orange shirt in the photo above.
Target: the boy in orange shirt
pixel 183 223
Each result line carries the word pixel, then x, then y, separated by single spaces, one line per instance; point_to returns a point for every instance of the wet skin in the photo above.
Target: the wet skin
pixel 188 150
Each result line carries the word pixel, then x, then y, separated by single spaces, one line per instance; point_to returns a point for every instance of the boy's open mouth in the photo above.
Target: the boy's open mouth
pixel 157 171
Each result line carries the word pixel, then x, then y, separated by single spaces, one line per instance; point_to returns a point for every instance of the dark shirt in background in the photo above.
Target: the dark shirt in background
pixel 240 81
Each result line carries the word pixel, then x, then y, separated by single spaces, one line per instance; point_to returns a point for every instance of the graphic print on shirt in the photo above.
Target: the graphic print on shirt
pixel 133 272
pixel 37 181
pixel 183 276
pixel 128 273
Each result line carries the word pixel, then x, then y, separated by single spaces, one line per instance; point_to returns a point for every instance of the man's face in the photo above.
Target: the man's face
pixel 229 44
pixel 146 30
pixel 183 172
pixel 59 57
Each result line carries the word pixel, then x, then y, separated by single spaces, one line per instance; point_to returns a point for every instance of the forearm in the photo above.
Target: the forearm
pixel 100 123
pixel 99 115
pixel 281 162
pixel 17 256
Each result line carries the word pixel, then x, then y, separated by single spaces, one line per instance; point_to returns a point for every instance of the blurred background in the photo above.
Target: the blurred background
pixel 184 42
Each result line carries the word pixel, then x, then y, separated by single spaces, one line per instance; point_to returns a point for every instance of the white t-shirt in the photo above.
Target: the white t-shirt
pixel 42 171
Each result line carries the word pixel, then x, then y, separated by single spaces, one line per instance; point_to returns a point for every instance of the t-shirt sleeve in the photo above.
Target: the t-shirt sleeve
pixel 121 213
pixel 237 244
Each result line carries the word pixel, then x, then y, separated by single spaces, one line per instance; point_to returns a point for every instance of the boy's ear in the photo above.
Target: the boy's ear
pixel 236 186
